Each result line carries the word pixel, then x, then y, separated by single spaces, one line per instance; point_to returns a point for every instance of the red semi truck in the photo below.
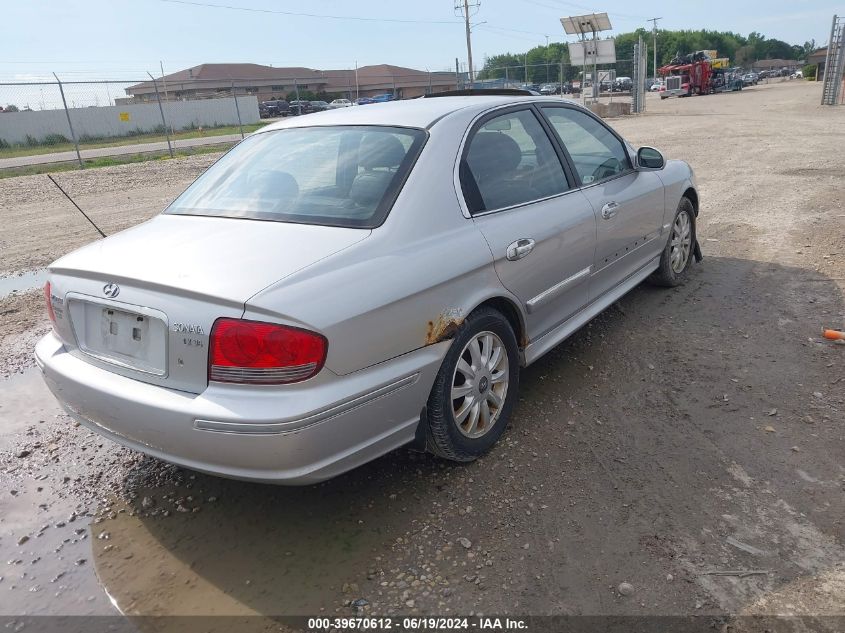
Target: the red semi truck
pixel 687 79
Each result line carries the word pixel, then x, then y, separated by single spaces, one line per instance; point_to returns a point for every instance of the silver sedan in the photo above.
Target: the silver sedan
pixel 340 285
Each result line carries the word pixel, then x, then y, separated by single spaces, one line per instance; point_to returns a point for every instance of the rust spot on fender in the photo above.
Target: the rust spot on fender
pixel 443 327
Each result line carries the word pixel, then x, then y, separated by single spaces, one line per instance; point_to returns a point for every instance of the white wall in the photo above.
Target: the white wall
pixel 107 121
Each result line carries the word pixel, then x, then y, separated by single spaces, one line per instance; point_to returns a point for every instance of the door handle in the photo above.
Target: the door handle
pixel 609 210
pixel 520 248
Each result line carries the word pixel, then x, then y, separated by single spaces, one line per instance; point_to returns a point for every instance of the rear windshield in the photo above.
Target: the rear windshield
pixel 337 176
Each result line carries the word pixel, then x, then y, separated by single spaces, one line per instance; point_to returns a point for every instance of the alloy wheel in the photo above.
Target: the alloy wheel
pixel 681 244
pixel 480 384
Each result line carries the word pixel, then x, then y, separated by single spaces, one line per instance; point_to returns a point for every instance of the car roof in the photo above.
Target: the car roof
pixel 419 113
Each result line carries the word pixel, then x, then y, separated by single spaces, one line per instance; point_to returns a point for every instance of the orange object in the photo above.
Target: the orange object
pixel 834 335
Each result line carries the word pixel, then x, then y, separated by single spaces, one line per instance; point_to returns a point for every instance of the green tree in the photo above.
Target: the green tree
pixel 544 61
pixel 808 48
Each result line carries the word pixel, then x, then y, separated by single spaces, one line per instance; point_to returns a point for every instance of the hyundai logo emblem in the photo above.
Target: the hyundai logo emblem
pixel 111 290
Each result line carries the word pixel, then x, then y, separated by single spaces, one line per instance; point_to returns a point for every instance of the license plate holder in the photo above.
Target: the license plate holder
pixel 136 339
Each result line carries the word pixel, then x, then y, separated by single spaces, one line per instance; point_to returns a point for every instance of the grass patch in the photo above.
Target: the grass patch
pixel 58 143
pixel 109 161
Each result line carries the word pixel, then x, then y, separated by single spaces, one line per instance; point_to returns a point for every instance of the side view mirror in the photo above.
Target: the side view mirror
pixel 650 158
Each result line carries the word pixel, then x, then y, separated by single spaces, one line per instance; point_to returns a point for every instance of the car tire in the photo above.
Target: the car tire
pixel 677 256
pixel 480 368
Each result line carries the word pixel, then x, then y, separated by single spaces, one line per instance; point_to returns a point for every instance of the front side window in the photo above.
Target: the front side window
pixel 509 161
pixel 337 176
pixel 596 153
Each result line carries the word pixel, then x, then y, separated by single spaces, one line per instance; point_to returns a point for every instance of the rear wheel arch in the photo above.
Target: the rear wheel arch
pixel 511 312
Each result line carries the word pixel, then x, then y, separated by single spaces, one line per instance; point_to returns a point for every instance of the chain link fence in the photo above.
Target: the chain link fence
pixel 83 121
pixel 597 87
pixel 61 121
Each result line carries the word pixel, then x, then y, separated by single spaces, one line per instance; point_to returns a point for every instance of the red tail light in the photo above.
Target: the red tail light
pixel 252 352
pixel 49 301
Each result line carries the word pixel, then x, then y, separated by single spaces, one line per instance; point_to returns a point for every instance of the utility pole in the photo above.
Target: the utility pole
pixel 654 35
pixel 464 6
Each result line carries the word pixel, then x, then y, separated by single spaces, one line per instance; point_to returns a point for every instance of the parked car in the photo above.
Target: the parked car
pixel 550 89
pixel 273 108
pixel 300 106
pixel 656 86
pixel 382 98
pixel 749 79
pixel 340 103
pixel 363 101
pixel 335 287
pixel 319 106
pixel 623 84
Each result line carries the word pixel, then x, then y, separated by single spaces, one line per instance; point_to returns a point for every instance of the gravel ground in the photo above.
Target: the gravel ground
pixel 681 440
pixel 40 224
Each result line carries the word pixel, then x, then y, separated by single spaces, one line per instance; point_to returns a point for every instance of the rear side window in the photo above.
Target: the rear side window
pixel 510 161
pixel 596 153
pixel 337 176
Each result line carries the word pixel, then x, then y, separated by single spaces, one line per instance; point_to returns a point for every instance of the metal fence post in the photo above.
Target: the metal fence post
pixel 561 79
pixel 237 110
pixel 69 124
pixel 163 120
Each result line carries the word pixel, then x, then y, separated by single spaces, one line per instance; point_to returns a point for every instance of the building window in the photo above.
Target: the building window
pixel 277 88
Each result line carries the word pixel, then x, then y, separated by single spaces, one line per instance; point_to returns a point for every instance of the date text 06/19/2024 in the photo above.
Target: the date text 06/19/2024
pixel 478 623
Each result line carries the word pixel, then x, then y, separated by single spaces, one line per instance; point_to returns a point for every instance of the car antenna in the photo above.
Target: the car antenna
pixel 53 180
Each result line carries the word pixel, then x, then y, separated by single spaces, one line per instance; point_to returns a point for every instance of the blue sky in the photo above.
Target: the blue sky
pixel 81 39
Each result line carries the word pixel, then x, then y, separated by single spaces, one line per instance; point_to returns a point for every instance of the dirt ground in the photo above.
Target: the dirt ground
pixel 687 442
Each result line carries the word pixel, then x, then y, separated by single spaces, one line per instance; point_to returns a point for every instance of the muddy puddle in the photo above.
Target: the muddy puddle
pixel 87 527
pixel 25 402
pixel 203 545
pixel 45 533
pixel 22 283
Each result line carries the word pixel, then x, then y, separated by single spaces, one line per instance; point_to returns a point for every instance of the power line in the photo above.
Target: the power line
pixel 307 15
pixel 497 31
pixel 582 7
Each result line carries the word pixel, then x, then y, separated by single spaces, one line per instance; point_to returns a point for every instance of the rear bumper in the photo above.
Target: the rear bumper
pixel 295 434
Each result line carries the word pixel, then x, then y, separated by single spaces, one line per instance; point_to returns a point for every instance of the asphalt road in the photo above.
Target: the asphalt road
pixel 118 150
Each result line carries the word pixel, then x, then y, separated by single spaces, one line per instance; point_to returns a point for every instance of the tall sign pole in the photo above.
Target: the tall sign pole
pixel 594 49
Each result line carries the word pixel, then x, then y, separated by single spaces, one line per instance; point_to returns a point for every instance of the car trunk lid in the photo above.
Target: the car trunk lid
pixel 142 303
